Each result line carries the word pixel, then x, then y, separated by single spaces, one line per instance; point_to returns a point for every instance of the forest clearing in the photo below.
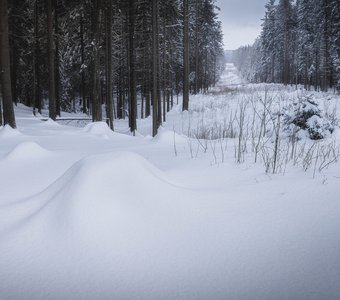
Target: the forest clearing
pixel 156 149
pixel 89 213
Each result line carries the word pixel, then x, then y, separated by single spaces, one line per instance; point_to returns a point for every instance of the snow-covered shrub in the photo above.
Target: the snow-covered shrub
pixel 305 116
pixel 318 128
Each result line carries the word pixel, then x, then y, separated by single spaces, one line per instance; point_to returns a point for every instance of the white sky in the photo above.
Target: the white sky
pixel 241 21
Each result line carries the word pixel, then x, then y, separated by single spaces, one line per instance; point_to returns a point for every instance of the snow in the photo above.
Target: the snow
pixel 8 132
pixel 98 128
pixel 86 213
pixel 26 151
pixel 50 122
pixel 230 78
pixel 169 137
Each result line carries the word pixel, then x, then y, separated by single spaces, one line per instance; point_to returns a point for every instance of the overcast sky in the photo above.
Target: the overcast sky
pixel 241 21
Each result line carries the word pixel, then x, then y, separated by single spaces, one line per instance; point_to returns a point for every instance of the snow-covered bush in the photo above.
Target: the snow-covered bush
pixel 305 116
pixel 318 128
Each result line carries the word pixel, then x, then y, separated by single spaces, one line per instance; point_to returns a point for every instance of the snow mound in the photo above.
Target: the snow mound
pixel 98 128
pixel 102 176
pixel 102 130
pixel 168 137
pixel 27 151
pixel 50 122
pixel 8 131
pixel 96 187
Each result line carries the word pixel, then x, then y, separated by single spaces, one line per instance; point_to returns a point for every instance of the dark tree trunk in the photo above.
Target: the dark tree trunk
pixel 109 63
pixel 196 47
pixel 326 78
pixel 120 88
pixel 5 68
pixel 132 75
pixel 186 55
pixel 1 121
pixel 51 61
pixel 164 79
pixel 155 69
pixel 14 66
pixel 120 101
pixel 286 43
pixel 36 75
pixel 96 98
pixel 57 63
pixel 82 57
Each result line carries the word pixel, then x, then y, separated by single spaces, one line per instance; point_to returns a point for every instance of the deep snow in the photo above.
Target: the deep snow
pixel 86 213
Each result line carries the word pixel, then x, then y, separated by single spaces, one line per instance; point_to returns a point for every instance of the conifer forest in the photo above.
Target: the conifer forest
pixel 169 149
pixel 70 54
pixel 299 44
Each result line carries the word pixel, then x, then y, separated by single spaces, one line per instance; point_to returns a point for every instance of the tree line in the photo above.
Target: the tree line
pixel 111 59
pixel 299 44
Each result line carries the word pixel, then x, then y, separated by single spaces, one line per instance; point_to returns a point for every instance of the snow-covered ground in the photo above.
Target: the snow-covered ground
pixel 230 78
pixel 87 213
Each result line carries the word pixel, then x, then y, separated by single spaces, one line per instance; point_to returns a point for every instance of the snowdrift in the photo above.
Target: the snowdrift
pixel 27 151
pixel 84 221
pixel 93 187
pixel 115 227
pixel 102 216
pixel 8 132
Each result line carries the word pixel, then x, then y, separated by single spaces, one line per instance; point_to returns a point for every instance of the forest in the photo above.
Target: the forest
pixel 299 44
pixel 107 57
pixel 141 160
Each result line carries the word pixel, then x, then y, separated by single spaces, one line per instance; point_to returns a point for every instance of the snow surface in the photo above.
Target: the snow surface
pixel 86 213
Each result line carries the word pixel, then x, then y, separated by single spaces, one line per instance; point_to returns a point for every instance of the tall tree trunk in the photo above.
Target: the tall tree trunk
pixel 326 80
pixel 96 98
pixel 132 75
pixel 5 68
pixel 155 68
pixel 148 82
pixel 109 62
pixel 164 84
pixel 82 57
pixel 14 66
pixel 305 71
pixel 186 55
pixel 57 62
pixel 286 43
pixel 51 62
pixel 36 75
pixel 1 121
pixel 171 76
pixel 120 92
pixel 196 46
